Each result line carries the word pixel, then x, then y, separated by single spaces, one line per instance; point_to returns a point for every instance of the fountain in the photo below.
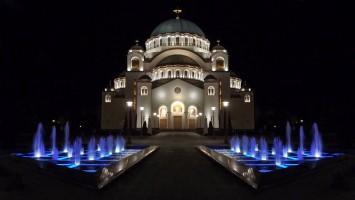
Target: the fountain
pixel 76 150
pixel 92 168
pixel 300 153
pixel 70 151
pixel 38 144
pixel 120 143
pixel 316 146
pixel 278 150
pixel 288 136
pixel 91 149
pixel 110 144
pixel 55 153
pixel 263 149
pixel 252 147
pixel 66 138
pixel 265 167
pixel 102 143
pixel 245 143
pixel 235 144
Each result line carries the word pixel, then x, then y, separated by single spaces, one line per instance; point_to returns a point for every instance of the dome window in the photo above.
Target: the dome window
pixel 169 74
pixel 247 98
pixel 144 90
pixel 135 63
pixel 108 98
pixel 210 91
pixel 177 74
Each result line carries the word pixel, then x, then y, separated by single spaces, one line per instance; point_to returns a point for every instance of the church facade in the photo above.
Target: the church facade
pixel 177 82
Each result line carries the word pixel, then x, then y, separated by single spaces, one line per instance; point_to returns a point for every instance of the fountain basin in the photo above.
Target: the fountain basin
pixel 94 174
pixel 261 174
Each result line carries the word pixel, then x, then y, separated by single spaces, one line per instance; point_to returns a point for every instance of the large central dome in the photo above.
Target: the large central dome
pixel 177 25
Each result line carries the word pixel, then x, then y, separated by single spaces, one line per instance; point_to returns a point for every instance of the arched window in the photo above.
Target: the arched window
pixel 193 42
pixel 144 90
pixel 163 111
pixel 247 98
pixel 193 75
pixel 177 73
pixel 192 111
pixel 177 41
pixel 186 41
pixel 219 63
pixel 135 63
pixel 169 41
pixel 162 74
pixel 185 75
pixel 169 74
pixel 107 98
pixel 210 90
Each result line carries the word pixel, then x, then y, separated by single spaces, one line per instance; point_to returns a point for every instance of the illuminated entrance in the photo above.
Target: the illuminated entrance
pixel 177 110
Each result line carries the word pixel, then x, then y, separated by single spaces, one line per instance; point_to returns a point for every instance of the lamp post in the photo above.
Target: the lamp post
pixel 129 104
pixel 225 105
pixel 141 108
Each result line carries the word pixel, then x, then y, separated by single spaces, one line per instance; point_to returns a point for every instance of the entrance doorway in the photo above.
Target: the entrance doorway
pixel 163 123
pixel 192 123
pixel 177 122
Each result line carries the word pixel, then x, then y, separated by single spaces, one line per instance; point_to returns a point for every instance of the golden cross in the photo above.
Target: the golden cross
pixel 177 11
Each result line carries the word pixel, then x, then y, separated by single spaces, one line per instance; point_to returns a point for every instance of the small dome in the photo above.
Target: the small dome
pixel 137 46
pixel 145 78
pixel 177 25
pixel 218 46
pixel 210 77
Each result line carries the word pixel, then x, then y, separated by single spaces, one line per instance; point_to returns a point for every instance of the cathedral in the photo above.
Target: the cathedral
pixel 177 82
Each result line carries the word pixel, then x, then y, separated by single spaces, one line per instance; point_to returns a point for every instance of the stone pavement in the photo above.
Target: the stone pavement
pixel 177 171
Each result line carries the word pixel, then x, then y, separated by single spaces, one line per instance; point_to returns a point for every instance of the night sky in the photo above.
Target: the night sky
pixel 57 56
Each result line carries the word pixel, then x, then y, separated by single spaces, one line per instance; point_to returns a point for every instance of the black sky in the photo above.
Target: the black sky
pixel 58 55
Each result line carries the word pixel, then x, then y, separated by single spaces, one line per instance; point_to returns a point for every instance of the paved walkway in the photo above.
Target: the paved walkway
pixel 177 171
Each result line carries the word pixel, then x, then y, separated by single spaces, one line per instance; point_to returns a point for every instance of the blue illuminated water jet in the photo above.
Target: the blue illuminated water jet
pixel 245 144
pixel 119 144
pixel 317 145
pixel 66 137
pixel 278 150
pixel 110 144
pixel 235 144
pixel 91 149
pixel 102 143
pixel 263 149
pixel 76 150
pixel 55 153
pixel 252 147
pixel 38 143
pixel 288 136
